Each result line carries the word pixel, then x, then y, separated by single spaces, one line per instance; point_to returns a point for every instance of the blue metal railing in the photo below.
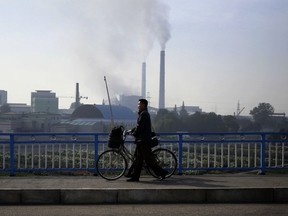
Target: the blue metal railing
pixel 21 152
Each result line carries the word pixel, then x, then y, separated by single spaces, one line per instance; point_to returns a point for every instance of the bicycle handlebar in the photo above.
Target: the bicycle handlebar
pixel 127 132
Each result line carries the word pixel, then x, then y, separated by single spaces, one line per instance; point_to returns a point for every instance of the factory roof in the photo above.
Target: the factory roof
pixel 103 112
pixel 119 112
pixel 87 111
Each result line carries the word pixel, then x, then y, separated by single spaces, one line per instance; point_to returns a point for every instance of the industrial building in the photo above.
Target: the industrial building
pixel 3 97
pixel 29 122
pixel 97 118
pixel 44 115
pixel 44 101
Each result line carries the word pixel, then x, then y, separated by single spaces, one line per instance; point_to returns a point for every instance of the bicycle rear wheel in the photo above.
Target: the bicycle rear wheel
pixel 111 164
pixel 166 159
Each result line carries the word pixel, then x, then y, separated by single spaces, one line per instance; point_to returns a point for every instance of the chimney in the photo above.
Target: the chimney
pixel 162 81
pixel 77 98
pixel 143 90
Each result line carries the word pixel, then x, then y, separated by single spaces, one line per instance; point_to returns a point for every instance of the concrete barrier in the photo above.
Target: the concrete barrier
pixel 10 196
pixel 245 195
pixel 161 196
pixel 142 196
pixel 89 196
pixel 40 196
pixel 281 195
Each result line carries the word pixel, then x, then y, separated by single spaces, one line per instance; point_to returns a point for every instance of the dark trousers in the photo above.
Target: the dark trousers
pixel 143 152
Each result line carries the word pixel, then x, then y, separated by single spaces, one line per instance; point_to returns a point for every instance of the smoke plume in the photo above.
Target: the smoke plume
pixel 112 38
pixel 159 23
pixel 155 25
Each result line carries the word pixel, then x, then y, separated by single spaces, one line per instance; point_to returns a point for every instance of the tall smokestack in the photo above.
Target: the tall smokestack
pixel 162 81
pixel 143 90
pixel 77 98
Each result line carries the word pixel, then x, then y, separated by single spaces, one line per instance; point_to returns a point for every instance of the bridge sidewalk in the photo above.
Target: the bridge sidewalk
pixel 224 188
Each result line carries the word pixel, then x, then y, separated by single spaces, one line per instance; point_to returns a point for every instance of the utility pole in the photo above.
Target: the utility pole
pixel 112 118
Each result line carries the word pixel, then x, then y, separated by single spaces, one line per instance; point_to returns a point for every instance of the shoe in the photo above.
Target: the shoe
pixel 128 175
pixel 163 176
pixel 132 180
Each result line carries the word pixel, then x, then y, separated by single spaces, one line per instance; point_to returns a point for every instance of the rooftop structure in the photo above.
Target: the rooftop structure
pixel 44 101
pixel 3 97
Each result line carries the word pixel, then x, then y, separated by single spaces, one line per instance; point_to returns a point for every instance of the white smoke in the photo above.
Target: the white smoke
pixel 108 36
pixel 159 22
pixel 155 25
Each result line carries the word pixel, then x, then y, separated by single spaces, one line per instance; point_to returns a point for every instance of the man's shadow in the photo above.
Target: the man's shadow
pixel 189 181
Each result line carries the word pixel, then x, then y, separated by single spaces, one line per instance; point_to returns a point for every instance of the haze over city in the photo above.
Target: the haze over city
pixel 217 52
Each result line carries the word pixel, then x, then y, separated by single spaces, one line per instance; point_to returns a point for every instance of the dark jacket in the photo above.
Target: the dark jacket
pixel 142 131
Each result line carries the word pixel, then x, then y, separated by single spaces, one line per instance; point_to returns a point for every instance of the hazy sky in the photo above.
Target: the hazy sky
pixel 217 52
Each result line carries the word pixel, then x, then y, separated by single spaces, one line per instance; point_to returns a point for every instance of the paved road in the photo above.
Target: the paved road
pixel 149 210
pixel 176 182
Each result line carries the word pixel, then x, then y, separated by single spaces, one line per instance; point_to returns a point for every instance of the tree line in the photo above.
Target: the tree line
pixel 261 119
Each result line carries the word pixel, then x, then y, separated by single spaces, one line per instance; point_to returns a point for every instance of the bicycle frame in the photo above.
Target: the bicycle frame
pixel 114 162
pixel 126 153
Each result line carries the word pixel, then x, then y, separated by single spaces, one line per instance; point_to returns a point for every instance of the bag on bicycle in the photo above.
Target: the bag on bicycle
pixel 154 140
pixel 116 137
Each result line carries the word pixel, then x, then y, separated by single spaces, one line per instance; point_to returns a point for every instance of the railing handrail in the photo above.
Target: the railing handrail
pixel 163 133
pixel 205 141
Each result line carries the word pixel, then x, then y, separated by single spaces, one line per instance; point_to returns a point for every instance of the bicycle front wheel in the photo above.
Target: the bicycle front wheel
pixel 111 165
pixel 166 159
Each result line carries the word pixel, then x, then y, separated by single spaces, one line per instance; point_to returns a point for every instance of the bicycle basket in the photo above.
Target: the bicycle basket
pixel 154 140
pixel 116 137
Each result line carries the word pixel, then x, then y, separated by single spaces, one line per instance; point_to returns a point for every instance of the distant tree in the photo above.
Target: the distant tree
pixel 214 123
pixel 160 114
pixel 206 123
pixel 5 108
pixel 262 113
pixel 283 125
pixel 171 121
pixel 231 123
pixel 246 125
pixel 195 123
pixel 166 121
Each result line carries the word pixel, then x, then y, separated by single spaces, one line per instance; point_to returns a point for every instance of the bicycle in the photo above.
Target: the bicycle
pixel 113 163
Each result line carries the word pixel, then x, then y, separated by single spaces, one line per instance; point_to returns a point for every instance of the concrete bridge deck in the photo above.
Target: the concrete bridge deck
pixel 208 188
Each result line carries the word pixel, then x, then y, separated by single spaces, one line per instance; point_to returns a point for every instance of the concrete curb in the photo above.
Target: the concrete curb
pixel 142 196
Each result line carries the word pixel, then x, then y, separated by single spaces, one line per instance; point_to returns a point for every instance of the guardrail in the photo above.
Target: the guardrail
pixel 24 152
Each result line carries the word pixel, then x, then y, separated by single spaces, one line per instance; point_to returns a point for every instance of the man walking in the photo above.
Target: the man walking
pixel 142 134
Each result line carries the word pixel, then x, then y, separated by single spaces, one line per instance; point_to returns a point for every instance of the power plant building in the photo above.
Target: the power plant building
pixel 44 101
pixel 97 118
pixel 19 108
pixel 129 101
